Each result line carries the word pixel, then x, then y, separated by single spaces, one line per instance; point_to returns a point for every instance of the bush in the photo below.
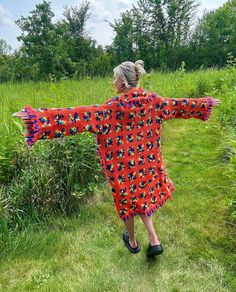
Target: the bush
pixel 51 178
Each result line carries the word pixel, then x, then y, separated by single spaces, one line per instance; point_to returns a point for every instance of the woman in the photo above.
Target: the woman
pixel 128 129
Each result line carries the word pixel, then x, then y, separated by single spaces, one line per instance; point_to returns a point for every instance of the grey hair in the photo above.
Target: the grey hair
pixel 130 72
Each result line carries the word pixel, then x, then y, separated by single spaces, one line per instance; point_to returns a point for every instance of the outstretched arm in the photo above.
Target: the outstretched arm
pixel 44 123
pixel 199 108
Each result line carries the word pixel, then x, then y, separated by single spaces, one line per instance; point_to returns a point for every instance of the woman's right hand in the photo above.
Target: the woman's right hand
pixel 21 114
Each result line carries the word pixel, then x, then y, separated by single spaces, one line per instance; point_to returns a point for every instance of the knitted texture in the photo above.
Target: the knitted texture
pixel 127 130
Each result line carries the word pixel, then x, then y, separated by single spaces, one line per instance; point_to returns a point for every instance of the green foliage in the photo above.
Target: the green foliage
pixel 39 279
pixel 232 206
pixel 153 31
pixel 214 36
pixel 225 87
pixel 162 33
pixel 54 50
pixel 123 44
pixel 6 65
pixel 55 177
pixel 75 20
pixel 85 252
pixel 229 156
pixel 5 49
pixel 40 40
pixel 51 178
pixel 147 82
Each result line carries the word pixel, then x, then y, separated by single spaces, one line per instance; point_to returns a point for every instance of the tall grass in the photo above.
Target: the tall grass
pixel 83 250
pixel 53 177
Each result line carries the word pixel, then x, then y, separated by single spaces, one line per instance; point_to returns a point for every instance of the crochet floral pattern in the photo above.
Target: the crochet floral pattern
pixel 127 131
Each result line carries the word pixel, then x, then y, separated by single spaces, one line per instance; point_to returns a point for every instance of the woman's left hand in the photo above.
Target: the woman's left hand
pixel 216 102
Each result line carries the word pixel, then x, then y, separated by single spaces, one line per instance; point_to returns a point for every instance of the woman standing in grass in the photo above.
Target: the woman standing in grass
pixel 128 135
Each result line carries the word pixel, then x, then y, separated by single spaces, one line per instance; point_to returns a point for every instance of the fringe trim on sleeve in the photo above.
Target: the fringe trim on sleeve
pixel 208 112
pixel 32 126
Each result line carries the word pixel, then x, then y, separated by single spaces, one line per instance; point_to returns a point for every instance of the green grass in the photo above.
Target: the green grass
pixel 86 252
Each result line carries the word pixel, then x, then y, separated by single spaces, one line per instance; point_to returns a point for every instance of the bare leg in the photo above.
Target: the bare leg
pixel 150 228
pixel 130 228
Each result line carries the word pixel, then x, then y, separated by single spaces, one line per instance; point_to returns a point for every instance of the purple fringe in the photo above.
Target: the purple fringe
pixel 150 211
pixel 209 109
pixel 32 126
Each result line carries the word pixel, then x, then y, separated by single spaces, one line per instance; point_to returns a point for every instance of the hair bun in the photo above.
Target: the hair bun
pixel 139 62
pixel 139 67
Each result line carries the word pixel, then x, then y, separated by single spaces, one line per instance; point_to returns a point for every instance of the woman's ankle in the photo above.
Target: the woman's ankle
pixel 133 239
pixel 154 240
pixel 133 243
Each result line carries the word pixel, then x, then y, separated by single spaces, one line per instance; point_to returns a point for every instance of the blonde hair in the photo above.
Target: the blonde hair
pixel 130 72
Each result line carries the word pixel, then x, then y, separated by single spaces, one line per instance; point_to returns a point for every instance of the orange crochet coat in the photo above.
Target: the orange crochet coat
pixel 127 129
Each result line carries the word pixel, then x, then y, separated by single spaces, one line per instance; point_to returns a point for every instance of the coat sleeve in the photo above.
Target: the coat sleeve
pixel 50 123
pixel 186 108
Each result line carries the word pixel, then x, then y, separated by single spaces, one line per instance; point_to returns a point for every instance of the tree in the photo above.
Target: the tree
pixel 5 61
pixel 41 44
pixel 124 41
pixel 215 35
pixel 154 30
pixel 75 20
pixel 80 47
pixel 5 49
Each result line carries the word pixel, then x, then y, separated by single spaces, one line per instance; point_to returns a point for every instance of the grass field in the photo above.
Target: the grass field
pixel 85 252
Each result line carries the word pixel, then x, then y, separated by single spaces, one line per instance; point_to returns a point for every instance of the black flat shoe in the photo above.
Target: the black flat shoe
pixel 154 250
pixel 126 242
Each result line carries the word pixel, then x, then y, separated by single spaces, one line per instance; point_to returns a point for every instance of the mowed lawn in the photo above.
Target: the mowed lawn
pixel 86 252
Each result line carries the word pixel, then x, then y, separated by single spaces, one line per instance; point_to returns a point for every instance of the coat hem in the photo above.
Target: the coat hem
pixel 150 211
